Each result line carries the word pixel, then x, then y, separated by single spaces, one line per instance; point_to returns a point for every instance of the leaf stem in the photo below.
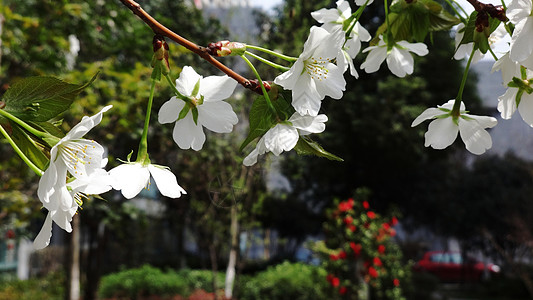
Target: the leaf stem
pixel 265 93
pixel 268 62
pixel 274 53
pixel 463 20
pixel 23 124
pixel 28 162
pixel 142 154
pixel 357 14
pixel 459 98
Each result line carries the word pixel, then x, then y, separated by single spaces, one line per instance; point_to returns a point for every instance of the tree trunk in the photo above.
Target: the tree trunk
pixel 73 263
pixel 230 271
pixel 214 266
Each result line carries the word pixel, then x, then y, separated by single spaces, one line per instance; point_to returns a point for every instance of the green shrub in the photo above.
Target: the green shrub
pixel 50 288
pixel 142 281
pixel 290 281
pixel 201 279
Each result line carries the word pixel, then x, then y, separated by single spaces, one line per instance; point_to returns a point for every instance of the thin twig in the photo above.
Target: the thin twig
pixel 158 28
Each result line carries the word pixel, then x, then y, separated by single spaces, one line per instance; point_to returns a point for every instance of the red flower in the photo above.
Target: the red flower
pixel 10 234
pixel 377 262
pixel 356 248
pixel 396 282
pixel 381 249
pixel 335 282
pixel 330 277
pixel 334 257
pixel 371 214
pixel 394 221
pixel 342 290
pixel 346 205
pixel 348 220
pixel 372 272
pixel 352 228
pixel 342 255
pixel 386 226
pixel 366 205
pixel 392 232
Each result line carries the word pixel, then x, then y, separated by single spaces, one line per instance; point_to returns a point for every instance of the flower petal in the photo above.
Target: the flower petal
pixel 187 81
pixel 475 137
pixel 130 179
pixel 441 133
pixel 525 108
pixel 43 238
pixel 427 114
pixel 216 88
pixel 400 62
pixel 47 182
pixel 281 138
pixel 217 116
pixel 86 124
pixel 507 103
pixel 374 59
pixel 308 124
pixel 166 182
pixel 521 41
pixel 188 135
pixel 170 110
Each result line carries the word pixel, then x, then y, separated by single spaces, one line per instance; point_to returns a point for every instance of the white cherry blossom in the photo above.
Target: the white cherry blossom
pixel 82 159
pixel 520 13
pixel 442 131
pixel 399 60
pixel 464 50
pixel 333 20
pixel 314 75
pixel 213 113
pixel 284 136
pixel 131 178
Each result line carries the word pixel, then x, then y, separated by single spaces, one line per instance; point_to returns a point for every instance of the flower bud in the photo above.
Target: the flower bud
pixel 160 54
pixel 226 48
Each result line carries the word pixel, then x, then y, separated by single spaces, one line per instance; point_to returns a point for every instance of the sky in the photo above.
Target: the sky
pixel 265 4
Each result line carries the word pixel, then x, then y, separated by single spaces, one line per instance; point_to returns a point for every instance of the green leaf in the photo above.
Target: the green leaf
pixel 262 118
pixel 468 30
pixel 29 147
pixel 184 111
pixel 413 21
pixel 194 111
pixel 41 98
pixel 306 146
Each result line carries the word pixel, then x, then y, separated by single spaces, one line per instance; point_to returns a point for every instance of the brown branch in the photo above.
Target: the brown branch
pixel 159 29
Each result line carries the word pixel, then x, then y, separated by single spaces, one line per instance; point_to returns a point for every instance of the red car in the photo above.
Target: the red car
pixel 449 266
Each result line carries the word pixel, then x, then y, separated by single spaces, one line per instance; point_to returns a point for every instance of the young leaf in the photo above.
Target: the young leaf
pixel 306 146
pixel 29 147
pixel 261 120
pixel 41 98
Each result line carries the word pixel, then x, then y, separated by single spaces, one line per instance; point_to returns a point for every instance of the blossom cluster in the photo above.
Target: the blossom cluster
pixel 358 250
pixel 77 165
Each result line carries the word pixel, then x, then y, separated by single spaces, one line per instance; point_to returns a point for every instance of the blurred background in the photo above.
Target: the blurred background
pixel 260 220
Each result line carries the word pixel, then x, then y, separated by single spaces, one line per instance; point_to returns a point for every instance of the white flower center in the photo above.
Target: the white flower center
pixel 316 68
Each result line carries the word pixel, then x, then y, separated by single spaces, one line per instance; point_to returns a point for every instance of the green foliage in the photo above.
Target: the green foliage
pixel 50 288
pixel 40 99
pixel 262 118
pixel 414 20
pixel 147 281
pixel 143 281
pixel 286 281
pixel 306 146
